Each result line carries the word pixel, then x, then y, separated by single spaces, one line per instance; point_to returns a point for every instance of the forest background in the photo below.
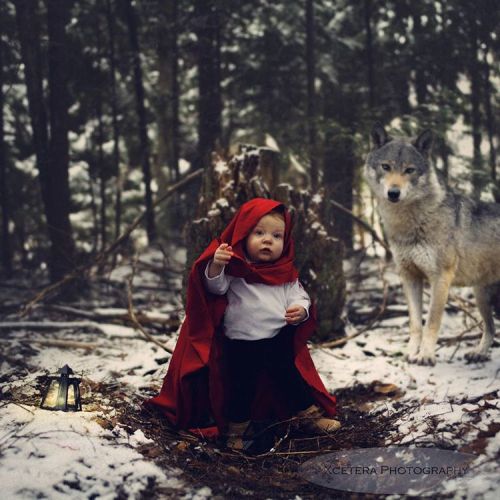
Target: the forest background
pixel 106 104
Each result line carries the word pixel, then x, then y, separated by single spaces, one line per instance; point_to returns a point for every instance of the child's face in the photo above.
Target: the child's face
pixel 265 241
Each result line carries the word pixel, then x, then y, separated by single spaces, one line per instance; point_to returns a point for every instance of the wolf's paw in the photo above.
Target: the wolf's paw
pixel 476 356
pixel 412 352
pixel 425 359
pixel 411 357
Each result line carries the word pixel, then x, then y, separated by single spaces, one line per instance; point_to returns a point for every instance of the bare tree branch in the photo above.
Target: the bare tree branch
pixel 362 223
pixel 132 314
pixel 111 248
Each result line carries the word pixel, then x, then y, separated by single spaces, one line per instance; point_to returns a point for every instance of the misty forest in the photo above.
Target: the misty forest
pixel 130 133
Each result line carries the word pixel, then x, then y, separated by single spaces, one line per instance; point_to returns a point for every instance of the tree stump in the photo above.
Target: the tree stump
pixel 318 254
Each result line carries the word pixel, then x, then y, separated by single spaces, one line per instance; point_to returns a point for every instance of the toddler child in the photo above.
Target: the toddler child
pixel 242 352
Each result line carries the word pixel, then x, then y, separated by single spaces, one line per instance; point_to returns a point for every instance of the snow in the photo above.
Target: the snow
pixel 453 392
pixel 296 166
pixel 69 455
pixel 271 143
pixel 61 455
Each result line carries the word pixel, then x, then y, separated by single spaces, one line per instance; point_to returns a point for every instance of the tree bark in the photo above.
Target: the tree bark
pixel 209 81
pixel 168 88
pixel 175 98
pixel 114 115
pixel 93 208
pixel 100 145
pixel 446 163
pixel 339 166
pixel 53 170
pixel 490 127
pixel 311 95
pixel 57 18
pixel 369 53
pixel 5 243
pixel 420 73
pixel 132 23
pixel 475 96
pixel 102 175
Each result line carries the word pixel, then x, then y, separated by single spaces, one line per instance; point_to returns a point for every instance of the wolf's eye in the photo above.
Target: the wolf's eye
pixel 409 170
pixel 386 167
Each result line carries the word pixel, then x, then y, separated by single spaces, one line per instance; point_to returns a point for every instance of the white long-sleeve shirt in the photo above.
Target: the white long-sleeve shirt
pixel 255 311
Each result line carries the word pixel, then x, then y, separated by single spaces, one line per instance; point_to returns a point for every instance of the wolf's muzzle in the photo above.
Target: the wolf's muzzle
pixel 393 194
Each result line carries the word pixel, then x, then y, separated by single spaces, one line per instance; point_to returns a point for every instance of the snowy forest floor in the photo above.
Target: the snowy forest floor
pixel 115 449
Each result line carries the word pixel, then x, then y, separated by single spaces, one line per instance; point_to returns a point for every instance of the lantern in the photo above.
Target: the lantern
pixel 63 392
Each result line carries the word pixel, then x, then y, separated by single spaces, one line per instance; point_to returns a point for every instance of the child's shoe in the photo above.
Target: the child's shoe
pixel 313 420
pixel 234 435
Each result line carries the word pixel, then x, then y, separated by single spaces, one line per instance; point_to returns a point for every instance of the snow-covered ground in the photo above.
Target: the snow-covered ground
pixel 92 454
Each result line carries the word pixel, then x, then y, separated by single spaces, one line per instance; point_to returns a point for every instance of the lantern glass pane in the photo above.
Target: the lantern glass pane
pixel 71 395
pixel 52 393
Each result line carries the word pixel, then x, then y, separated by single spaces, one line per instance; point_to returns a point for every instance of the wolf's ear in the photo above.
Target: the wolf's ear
pixel 424 142
pixel 379 135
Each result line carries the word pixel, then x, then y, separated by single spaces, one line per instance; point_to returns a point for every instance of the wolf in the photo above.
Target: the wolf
pixel 436 235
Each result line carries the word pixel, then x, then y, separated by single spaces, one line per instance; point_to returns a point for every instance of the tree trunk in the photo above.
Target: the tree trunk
pixel 490 127
pixel 369 54
pixel 339 166
pixel 5 243
pixel 445 155
pixel 475 79
pixel 102 176
pixel 93 208
pixel 53 174
pixel 311 95
pixel 141 114
pixel 57 18
pixel 209 81
pixel 474 69
pixel 114 114
pixel 101 168
pixel 168 88
pixel 175 97
pixel 318 254
pixel 420 73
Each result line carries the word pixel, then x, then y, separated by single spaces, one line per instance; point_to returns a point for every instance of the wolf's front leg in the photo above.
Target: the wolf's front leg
pixel 413 286
pixel 440 288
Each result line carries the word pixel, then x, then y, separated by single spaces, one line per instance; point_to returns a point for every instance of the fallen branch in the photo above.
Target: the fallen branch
pixel 114 314
pixel 111 248
pixel 458 338
pixel 48 325
pixel 70 344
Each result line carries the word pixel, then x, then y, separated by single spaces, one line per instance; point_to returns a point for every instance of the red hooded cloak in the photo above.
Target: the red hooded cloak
pixel 193 391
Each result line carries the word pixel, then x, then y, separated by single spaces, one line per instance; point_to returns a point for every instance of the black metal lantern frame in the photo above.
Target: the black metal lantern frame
pixel 63 392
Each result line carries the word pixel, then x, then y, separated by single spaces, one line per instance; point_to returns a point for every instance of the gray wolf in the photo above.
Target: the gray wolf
pixel 436 235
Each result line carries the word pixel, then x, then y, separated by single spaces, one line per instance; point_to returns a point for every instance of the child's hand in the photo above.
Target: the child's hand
pixel 223 254
pixel 295 314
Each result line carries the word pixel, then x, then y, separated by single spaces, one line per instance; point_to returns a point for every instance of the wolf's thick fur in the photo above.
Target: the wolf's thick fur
pixel 436 235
